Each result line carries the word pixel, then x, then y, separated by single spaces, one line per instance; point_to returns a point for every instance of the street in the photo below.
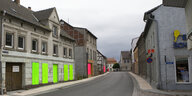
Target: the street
pixel 112 84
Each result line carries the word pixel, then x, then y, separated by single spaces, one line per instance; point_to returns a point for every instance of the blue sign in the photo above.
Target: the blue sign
pixel 149 60
pixel 169 62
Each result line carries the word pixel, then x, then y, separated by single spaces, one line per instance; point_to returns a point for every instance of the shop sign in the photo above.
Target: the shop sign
pixel 15 68
pixel 179 44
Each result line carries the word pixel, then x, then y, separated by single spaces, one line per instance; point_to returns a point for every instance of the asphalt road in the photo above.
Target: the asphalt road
pixel 112 84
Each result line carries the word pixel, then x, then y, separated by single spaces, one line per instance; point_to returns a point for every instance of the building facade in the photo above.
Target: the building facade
pixel 85 50
pixel 32 51
pixel 142 64
pixel 101 63
pixel 135 64
pixel 125 61
pixel 110 63
pixel 168 60
pixel 187 4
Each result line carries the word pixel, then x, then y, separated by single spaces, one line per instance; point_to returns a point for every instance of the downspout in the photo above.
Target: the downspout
pixel 151 17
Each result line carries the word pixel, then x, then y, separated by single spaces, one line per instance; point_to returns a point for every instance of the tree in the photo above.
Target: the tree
pixel 116 66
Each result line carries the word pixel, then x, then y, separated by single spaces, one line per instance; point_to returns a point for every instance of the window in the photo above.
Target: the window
pixel 44 47
pixel 182 70
pixel 9 40
pixel 54 31
pixel 55 50
pixel 91 54
pixel 70 53
pixel 21 42
pixel 65 52
pixel 34 45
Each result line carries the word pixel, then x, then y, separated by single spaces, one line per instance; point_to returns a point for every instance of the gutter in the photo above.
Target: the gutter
pixel 151 17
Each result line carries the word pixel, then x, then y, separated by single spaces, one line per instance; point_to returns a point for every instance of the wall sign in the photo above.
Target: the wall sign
pixel 15 68
pixel 183 40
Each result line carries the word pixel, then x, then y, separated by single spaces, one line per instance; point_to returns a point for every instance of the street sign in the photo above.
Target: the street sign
pixel 149 60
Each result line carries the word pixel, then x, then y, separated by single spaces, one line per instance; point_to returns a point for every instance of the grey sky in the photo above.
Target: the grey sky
pixel 114 22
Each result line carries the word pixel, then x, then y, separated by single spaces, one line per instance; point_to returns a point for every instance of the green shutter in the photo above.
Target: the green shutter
pixel 66 73
pixel 35 73
pixel 44 73
pixel 71 72
pixel 55 73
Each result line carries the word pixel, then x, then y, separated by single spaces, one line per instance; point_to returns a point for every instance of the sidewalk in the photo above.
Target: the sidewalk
pixel 44 89
pixel 143 88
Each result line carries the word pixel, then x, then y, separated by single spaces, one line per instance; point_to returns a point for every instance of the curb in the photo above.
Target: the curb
pixel 53 87
pixel 138 91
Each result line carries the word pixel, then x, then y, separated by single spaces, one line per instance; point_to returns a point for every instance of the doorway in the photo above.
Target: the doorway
pixel 13 76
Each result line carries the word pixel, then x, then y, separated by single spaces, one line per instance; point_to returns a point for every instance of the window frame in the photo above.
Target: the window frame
pixel 55 31
pixel 23 42
pixel 12 41
pixel 35 44
pixel 46 45
pixel 70 53
pixel 55 54
pixel 65 51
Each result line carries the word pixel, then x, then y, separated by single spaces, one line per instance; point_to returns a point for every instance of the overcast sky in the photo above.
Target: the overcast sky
pixel 114 22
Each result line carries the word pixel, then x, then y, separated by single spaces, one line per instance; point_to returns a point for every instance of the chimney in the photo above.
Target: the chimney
pixel 17 1
pixel 29 8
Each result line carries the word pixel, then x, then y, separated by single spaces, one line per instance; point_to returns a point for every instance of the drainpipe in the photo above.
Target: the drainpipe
pixel 151 17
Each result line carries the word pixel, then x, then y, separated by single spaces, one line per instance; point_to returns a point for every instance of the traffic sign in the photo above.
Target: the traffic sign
pixel 149 60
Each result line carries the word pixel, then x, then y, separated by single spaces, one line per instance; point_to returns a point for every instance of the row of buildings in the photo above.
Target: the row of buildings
pixel 37 48
pixel 162 53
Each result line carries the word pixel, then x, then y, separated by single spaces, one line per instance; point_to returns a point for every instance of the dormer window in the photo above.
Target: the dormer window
pixel 55 31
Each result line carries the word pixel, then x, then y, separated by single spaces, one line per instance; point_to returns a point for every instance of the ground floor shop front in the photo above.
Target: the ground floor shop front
pixel 23 72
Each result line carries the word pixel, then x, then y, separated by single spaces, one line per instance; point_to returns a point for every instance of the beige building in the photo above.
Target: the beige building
pixel 125 61
pixel 34 50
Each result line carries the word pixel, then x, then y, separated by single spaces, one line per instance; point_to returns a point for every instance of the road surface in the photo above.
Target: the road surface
pixel 112 84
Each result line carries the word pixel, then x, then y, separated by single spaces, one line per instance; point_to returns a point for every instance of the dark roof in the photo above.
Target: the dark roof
pixel 64 34
pixel 86 30
pixel 175 3
pixel 44 14
pixel 101 54
pixel 125 54
pixel 20 12
pixel 147 14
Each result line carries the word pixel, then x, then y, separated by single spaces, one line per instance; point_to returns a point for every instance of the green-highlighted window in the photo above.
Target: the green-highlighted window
pixel 66 73
pixel 55 73
pixel 44 73
pixel 35 73
pixel 70 72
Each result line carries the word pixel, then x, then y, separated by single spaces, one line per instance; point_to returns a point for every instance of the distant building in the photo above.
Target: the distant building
pixel 125 61
pixel 101 63
pixel 110 63
pixel 133 45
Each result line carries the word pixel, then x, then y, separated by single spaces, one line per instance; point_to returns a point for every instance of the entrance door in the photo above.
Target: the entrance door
pixel 13 76
pixel 89 70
